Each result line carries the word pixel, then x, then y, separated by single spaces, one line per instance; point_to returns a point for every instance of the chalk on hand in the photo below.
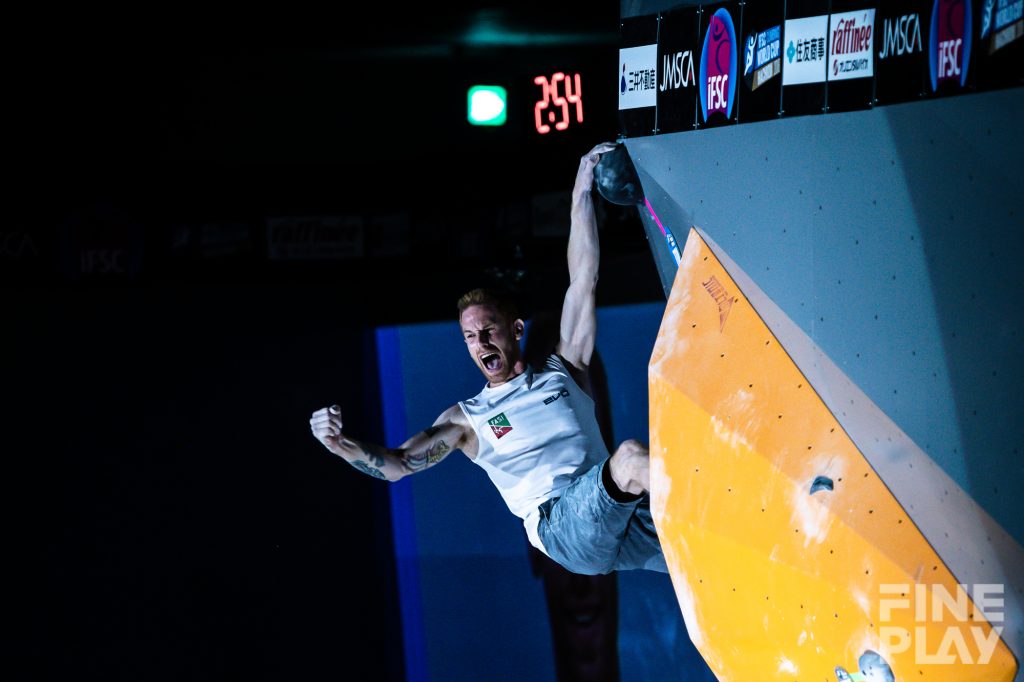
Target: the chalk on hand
pixel 334 409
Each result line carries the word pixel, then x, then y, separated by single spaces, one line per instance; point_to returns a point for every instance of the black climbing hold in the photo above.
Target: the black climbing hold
pixel 616 178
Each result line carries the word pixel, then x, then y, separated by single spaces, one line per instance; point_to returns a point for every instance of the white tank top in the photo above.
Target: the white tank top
pixel 537 433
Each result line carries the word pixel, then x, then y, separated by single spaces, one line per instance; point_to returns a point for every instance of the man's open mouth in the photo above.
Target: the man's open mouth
pixel 491 361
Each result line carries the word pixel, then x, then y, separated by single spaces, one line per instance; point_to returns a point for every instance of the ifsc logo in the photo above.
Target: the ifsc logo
pixel 949 48
pixel 718 66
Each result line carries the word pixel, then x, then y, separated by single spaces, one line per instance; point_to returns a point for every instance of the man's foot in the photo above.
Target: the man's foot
pixel 631 467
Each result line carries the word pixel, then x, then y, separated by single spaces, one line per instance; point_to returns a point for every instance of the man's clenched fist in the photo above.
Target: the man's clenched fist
pixel 326 427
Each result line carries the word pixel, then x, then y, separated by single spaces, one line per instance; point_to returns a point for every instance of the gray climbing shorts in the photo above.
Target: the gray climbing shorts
pixel 587 531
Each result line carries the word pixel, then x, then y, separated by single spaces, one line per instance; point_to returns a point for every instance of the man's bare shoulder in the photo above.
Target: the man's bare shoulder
pixel 453 415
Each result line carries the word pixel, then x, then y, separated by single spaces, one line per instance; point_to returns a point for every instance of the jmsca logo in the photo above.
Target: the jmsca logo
pixel 718 66
pixel 677 71
pixel 900 36
pixel 949 47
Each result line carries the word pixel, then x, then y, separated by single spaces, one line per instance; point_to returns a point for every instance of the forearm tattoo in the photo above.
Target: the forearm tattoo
pixel 374 453
pixel 433 454
pixel 367 469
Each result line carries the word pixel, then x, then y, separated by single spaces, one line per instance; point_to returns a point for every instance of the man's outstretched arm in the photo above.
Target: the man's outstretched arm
pixel 428 447
pixel 579 315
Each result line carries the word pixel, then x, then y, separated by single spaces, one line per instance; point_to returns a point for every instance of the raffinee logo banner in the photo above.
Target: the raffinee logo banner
pixel 718 66
pixel 638 77
pixel 851 44
pixel 805 51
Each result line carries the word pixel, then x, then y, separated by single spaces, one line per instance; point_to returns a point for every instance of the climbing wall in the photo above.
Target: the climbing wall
pixel 807 536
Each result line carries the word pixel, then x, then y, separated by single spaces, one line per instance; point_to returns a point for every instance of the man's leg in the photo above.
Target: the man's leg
pixel 583 529
pixel 641 548
pixel 630 468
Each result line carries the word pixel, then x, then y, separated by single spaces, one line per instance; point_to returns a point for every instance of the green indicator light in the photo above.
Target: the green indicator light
pixel 485 105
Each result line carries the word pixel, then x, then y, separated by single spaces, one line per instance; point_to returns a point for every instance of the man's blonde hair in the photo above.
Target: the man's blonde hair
pixel 502 301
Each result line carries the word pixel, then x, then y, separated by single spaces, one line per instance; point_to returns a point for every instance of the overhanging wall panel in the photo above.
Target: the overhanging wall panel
pixel 891 238
pixel 787 504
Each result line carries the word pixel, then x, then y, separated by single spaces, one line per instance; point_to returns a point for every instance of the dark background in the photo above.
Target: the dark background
pixel 170 516
pixel 137 131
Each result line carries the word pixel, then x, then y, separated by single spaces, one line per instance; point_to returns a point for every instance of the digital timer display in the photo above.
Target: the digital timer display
pixel 560 102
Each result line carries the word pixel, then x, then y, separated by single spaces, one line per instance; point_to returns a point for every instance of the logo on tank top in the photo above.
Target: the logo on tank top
pixel 555 396
pixel 499 425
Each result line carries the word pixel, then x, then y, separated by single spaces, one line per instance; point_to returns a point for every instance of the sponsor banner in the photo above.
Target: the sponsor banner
pixel 224 239
pixel 719 62
pixel 17 245
pixel 806 50
pixel 387 235
pixel 999 57
pixel 26 252
pixel 949 46
pixel 762 53
pixel 637 76
pixel 762 57
pixel 678 59
pixel 315 237
pixel 901 40
pixel 1002 22
pixel 851 56
pixel 851 45
pixel 804 57
pixel 101 243
pixel 900 35
pixel 210 240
